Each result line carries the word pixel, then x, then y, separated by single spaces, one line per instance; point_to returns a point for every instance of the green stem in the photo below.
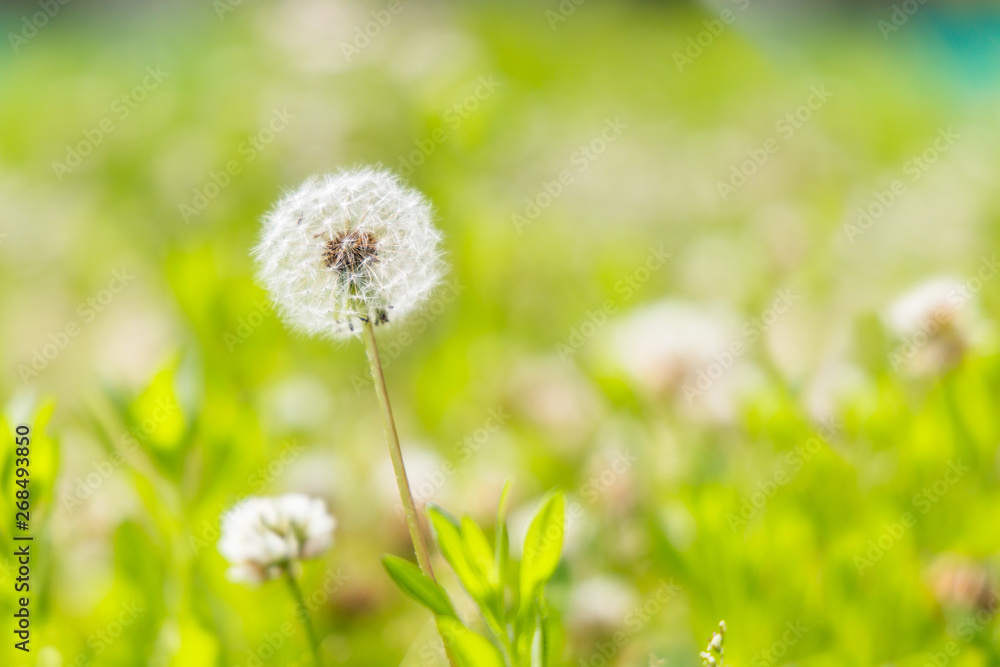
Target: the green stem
pixel 409 507
pixel 967 441
pixel 396 454
pixel 302 611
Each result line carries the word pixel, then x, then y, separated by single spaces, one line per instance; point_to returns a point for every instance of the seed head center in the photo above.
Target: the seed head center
pixel 350 250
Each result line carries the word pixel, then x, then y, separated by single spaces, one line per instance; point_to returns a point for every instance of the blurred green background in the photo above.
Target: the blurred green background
pixel 568 147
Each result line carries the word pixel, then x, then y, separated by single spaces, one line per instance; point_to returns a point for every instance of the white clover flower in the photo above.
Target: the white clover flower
pixel 935 322
pixel 347 248
pixel 664 344
pixel 680 349
pixel 262 536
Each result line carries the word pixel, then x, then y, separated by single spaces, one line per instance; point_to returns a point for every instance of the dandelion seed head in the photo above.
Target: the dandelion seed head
pixel 347 248
pixel 261 536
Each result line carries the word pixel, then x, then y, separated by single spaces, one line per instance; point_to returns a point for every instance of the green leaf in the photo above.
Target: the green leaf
pixel 467 647
pixel 545 642
pixel 450 542
pixel 539 646
pixel 542 547
pixel 479 553
pixel 502 538
pixel 418 585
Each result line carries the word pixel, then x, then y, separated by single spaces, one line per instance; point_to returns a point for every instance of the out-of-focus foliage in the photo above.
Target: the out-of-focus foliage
pixel 835 511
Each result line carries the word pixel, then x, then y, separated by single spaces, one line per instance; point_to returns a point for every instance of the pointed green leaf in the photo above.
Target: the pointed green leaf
pixel 542 547
pixel 469 648
pixel 418 585
pixel 450 542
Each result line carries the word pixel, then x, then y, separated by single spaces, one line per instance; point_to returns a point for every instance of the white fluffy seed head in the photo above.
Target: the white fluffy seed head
pixel 348 247
pixel 261 536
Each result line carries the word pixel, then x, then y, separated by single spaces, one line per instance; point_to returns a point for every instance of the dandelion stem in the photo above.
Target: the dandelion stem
pixel 302 611
pixel 392 437
pixel 409 507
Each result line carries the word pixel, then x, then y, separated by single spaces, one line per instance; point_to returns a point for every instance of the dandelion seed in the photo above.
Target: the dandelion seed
pixel 348 248
pixel 263 537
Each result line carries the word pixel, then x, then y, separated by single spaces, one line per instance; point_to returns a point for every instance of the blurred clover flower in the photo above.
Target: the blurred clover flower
pixel 962 582
pixel 935 321
pixel 716 647
pixel 264 537
pixel 600 603
pixel 663 346
pixel 672 348
pixel 356 246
